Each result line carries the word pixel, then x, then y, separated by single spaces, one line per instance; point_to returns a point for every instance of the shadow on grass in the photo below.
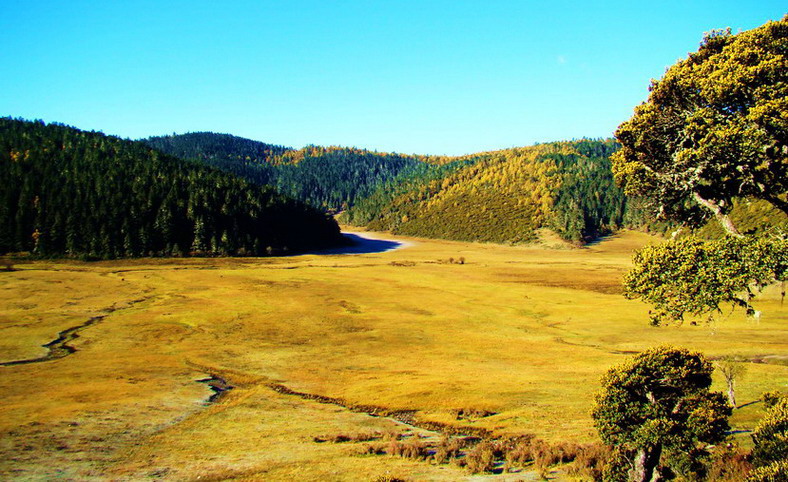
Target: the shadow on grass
pixel 359 244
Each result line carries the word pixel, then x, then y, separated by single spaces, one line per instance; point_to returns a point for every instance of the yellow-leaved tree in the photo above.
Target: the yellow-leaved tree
pixel 714 129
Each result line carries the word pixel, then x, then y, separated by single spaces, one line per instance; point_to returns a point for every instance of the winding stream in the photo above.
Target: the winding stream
pixel 59 347
pixel 404 416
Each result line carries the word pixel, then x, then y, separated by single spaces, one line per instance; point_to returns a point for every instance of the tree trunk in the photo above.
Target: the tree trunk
pixel 646 462
pixel 722 218
pixel 731 393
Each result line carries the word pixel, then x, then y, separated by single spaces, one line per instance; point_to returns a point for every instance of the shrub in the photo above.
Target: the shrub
pixel 568 451
pixel 545 456
pixel 388 478
pixel 355 437
pixel 481 458
pixel 775 472
pixel 372 449
pixel 771 436
pixel 390 435
pixel 589 462
pixel 413 449
pixel 770 399
pixel 519 455
pixel 729 463
pixel 448 448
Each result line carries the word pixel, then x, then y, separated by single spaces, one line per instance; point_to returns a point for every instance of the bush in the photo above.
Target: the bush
pixel 589 462
pixel 354 437
pixel 770 399
pixel 775 472
pixel 545 456
pixel 388 478
pixel 771 436
pixel 413 449
pixel 520 454
pixel 448 449
pixel 729 463
pixel 372 449
pixel 481 459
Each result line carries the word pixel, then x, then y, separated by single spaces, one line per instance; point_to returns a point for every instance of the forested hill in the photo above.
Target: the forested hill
pixel 216 148
pixel 64 191
pixel 501 196
pixel 330 178
pixel 505 196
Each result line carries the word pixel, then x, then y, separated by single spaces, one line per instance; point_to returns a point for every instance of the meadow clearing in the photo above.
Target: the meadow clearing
pixel 516 338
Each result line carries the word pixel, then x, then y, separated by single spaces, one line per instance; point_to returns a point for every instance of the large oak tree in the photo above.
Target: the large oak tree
pixel 714 128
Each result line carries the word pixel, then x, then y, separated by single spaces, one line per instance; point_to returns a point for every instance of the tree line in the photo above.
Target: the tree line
pixel 330 178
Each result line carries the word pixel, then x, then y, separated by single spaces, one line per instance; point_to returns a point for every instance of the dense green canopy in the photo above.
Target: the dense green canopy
pixel 329 178
pixel 656 410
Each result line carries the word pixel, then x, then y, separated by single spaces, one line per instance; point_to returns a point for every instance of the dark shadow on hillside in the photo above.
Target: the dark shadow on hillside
pixel 358 244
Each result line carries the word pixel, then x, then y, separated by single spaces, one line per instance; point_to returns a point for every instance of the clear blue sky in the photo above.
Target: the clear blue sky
pixel 431 77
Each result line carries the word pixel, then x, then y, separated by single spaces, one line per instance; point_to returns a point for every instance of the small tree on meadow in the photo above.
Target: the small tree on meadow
pixel 657 412
pixel 733 370
pixel 696 278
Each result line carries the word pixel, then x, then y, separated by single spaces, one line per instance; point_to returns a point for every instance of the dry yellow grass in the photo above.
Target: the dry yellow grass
pixel 525 332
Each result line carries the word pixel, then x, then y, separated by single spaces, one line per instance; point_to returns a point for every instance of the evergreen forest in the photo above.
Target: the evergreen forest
pixel 330 178
pixel 64 191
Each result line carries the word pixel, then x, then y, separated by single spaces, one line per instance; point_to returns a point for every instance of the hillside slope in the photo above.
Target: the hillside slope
pixel 330 178
pixel 64 191
pixel 505 196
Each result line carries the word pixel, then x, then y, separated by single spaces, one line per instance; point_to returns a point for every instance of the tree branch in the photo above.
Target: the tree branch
pixel 722 218
pixel 778 203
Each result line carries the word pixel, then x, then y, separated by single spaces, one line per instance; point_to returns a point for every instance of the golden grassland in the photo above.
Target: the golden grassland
pixel 524 332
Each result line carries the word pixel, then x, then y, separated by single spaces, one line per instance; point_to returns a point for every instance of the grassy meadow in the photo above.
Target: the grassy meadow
pixel 521 332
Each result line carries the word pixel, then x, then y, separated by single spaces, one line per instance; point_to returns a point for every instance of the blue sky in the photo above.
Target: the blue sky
pixel 429 77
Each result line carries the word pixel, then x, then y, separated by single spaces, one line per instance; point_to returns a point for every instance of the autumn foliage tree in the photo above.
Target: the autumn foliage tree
pixel 770 454
pixel 697 278
pixel 714 129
